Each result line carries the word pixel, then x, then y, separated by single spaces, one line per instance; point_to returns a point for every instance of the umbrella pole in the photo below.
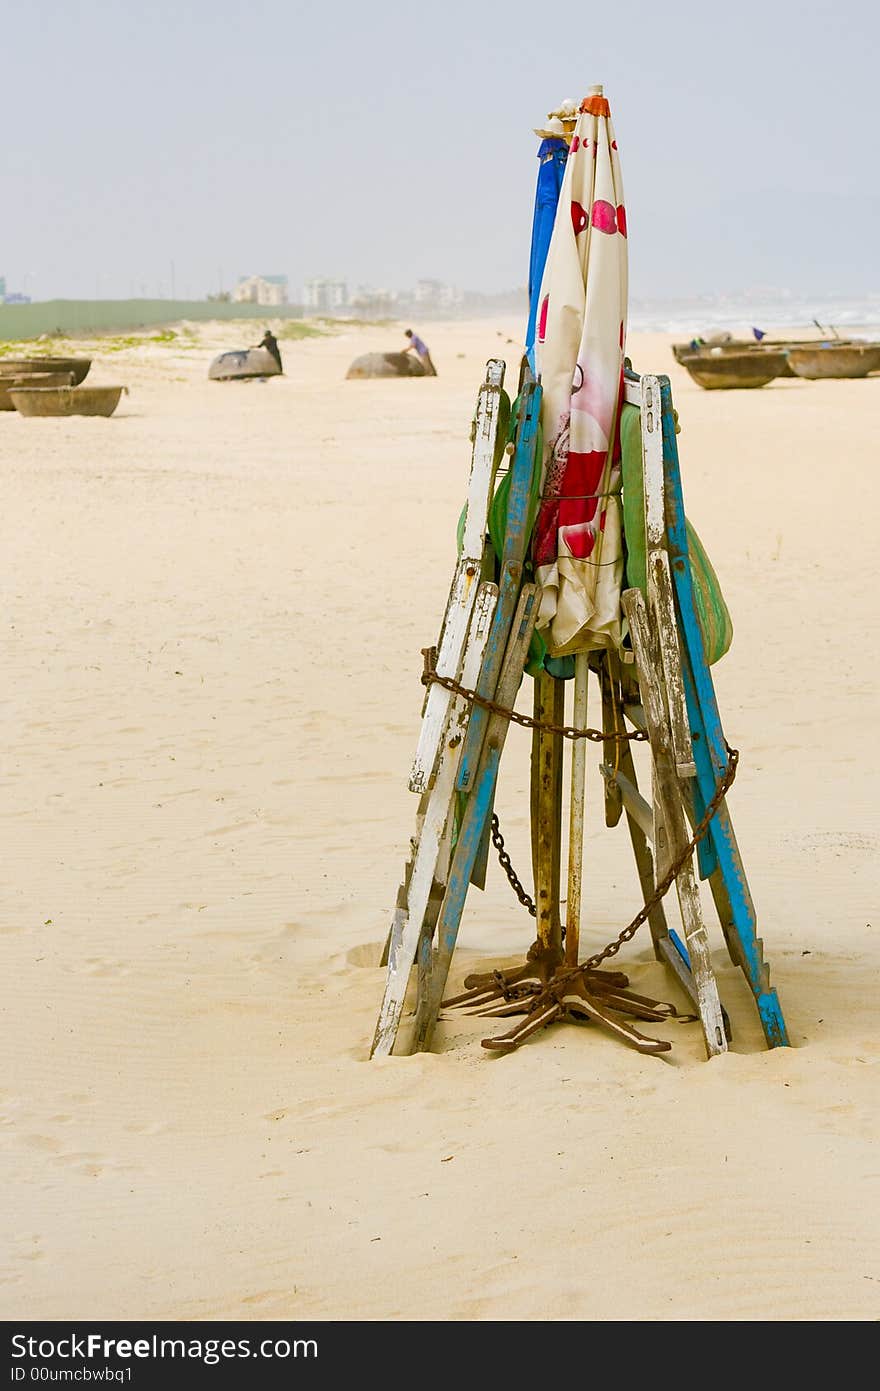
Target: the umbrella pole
pixel 576 812
pixel 546 809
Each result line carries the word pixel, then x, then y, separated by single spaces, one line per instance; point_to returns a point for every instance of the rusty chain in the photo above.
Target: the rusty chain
pixel 674 869
pixel 431 677
pixel 659 893
pixel 504 860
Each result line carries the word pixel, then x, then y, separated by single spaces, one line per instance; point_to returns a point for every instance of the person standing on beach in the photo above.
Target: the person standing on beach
pixel 421 351
pixel 270 343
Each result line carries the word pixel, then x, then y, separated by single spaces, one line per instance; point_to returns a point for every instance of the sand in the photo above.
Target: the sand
pixel 214 604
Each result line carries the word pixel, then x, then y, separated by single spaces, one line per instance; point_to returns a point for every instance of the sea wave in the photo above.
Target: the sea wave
pixel 766 311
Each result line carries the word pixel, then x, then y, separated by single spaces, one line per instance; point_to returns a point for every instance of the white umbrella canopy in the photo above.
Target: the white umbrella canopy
pixel 579 359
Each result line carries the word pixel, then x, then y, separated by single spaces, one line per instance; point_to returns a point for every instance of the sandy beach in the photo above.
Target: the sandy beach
pixel 214 605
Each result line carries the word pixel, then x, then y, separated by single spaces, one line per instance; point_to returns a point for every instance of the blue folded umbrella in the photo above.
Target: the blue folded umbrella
pixel 552 156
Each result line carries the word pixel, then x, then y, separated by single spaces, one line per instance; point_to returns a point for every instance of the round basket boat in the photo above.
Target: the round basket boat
pixel 243 365
pixel 8 384
pixel 835 360
pixel 729 371
pixel 66 400
pixel 385 365
pixel 18 366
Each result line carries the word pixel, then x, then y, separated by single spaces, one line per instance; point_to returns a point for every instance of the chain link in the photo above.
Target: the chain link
pixel 504 860
pixel 675 868
pixel 659 893
pixel 430 677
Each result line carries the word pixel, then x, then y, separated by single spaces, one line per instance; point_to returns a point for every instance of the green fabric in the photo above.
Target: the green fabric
pixel 498 530
pixel 712 612
pixel 498 518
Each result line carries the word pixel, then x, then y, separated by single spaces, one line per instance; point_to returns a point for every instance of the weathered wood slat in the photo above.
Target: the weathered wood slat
pixel 515 542
pixel 660 601
pixel 487 681
pixel 481 864
pixel 675 825
pixel 467 575
pixel 407 928
pixel 612 721
pixel 675 954
pixel 641 830
pixel 668 953
pixel 642 846
pixel 425 948
pixel 660 837
pixel 632 390
pixel 437 705
pixel 400 910
pixel 663 611
pixel 632 800
pixel 475 815
pixel 636 715
pixel 707 860
pixel 487 418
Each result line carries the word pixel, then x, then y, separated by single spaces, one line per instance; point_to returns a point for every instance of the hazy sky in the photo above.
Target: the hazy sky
pixel 389 141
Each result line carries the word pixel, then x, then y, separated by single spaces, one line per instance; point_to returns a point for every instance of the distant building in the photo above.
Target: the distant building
pixel 325 295
pixel 261 289
pixel 427 291
pixel 434 294
pixel 365 300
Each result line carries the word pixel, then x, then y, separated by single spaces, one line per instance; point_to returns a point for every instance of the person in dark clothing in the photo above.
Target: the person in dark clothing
pixel 270 343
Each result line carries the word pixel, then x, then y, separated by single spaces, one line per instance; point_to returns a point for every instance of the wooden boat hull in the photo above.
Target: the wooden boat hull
pixel 801 346
pixel 243 365
pixel 729 371
pixel 66 400
pixel 834 360
pixel 21 366
pixel 32 379
pixel 682 350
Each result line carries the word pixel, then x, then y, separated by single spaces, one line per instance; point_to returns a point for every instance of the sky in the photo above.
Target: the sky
pixel 174 147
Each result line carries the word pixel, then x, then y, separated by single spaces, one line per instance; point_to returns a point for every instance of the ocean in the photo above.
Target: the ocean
pixel 770 311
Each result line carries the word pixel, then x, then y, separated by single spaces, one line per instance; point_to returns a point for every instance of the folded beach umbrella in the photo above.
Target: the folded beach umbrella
pixel 579 353
pixel 552 156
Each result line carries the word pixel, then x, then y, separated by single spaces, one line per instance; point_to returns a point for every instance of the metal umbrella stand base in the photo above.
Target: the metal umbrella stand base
pixel 546 992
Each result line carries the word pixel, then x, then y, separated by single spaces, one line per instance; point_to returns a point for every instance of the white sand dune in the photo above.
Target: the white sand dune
pixel 213 609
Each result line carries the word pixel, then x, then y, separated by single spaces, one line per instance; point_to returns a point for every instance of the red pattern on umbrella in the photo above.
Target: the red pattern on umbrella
pixel 604 216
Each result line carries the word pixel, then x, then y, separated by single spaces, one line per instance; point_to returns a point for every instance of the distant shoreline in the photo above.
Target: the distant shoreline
pixel 684 317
